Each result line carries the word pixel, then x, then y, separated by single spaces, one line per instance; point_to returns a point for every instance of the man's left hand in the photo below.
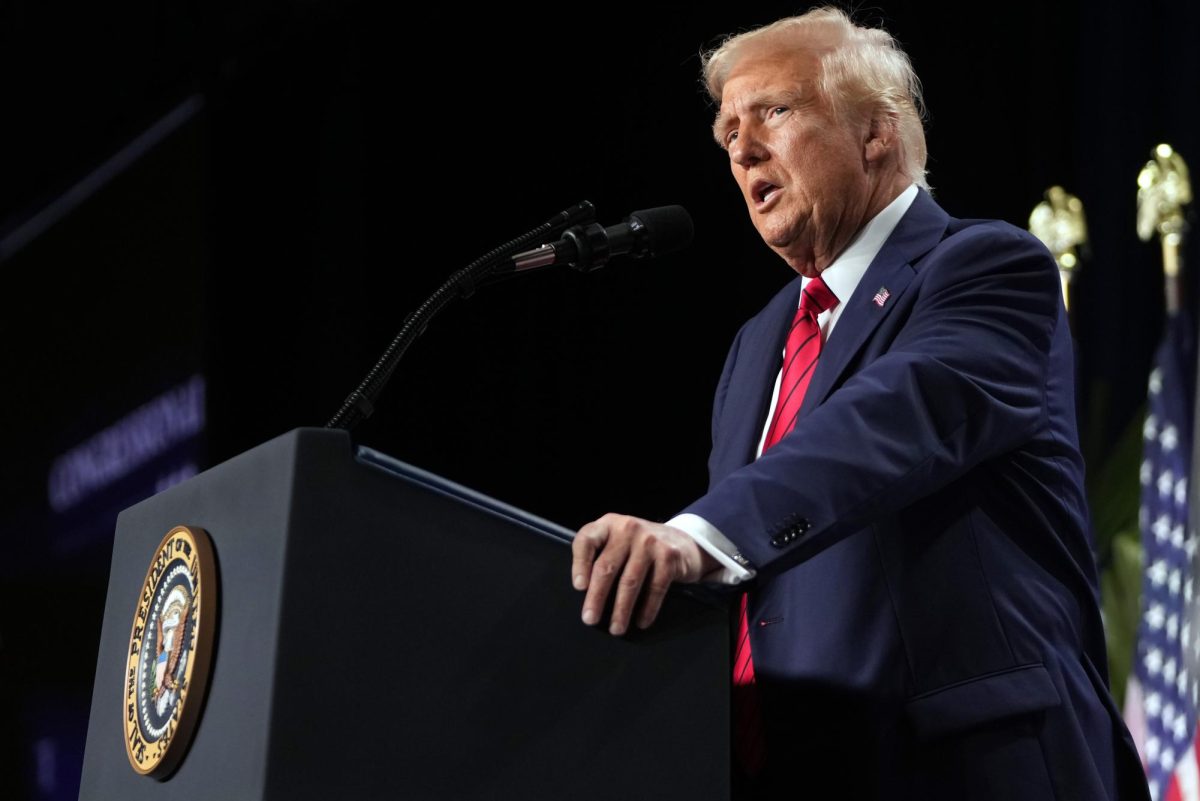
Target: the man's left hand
pixel 641 558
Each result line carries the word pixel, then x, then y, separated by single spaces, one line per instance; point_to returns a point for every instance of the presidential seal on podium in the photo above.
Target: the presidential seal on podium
pixel 170 650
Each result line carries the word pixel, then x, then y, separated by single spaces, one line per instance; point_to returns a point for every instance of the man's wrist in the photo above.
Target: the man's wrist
pixel 724 563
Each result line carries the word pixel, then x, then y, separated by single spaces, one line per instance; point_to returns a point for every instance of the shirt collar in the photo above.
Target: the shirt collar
pixel 842 276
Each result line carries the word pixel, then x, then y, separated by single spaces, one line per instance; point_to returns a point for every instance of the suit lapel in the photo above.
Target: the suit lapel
pixel 888 276
pixel 753 380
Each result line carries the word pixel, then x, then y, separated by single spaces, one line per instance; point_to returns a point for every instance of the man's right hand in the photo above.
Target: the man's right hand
pixel 641 558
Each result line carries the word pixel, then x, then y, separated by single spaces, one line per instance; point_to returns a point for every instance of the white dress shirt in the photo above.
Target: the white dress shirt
pixel 842 277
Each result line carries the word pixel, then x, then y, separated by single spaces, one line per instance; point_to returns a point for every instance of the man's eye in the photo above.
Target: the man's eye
pixel 729 137
pixel 779 110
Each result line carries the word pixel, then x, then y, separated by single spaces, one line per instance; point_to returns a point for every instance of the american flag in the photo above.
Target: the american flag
pixel 881 296
pixel 1161 710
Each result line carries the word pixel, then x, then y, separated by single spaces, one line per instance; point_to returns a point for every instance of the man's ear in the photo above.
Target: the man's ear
pixel 881 137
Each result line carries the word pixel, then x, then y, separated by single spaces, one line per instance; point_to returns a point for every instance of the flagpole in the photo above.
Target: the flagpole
pixel 1163 191
pixel 1059 222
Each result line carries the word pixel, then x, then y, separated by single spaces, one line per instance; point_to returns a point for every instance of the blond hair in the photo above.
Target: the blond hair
pixel 862 69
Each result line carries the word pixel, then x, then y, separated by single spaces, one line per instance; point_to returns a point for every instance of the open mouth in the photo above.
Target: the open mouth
pixel 762 191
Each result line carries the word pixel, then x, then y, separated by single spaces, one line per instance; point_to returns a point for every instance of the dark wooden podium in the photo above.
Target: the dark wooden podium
pixel 385 634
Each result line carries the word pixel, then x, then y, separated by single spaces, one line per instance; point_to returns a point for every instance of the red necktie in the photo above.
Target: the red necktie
pixel 799 362
pixel 799 358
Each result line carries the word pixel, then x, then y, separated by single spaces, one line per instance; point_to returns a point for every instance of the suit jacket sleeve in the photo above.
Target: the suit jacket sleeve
pixel 723 384
pixel 962 382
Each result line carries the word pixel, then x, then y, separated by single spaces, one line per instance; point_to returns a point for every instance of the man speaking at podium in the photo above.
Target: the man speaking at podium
pixel 895 481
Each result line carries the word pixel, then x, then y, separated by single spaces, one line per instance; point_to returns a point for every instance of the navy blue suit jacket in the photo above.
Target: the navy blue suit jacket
pixel 925 618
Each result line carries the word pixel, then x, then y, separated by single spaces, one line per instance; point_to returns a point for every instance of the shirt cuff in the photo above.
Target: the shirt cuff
pixel 734 568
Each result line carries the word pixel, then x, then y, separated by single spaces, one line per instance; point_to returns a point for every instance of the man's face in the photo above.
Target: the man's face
pixel 804 175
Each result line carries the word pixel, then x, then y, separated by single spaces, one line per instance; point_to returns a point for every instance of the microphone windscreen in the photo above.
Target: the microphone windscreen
pixel 667 229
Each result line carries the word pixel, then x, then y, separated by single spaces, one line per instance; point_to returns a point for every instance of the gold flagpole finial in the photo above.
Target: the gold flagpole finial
pixel 1060 223
pixel 1163 190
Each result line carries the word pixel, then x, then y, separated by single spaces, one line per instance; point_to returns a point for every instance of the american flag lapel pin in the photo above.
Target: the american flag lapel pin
pixel 881 296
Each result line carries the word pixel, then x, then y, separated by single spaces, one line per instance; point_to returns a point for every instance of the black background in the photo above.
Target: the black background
pixel 348 156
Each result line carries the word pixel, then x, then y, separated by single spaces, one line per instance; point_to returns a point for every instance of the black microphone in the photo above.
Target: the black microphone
pixel 650 232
